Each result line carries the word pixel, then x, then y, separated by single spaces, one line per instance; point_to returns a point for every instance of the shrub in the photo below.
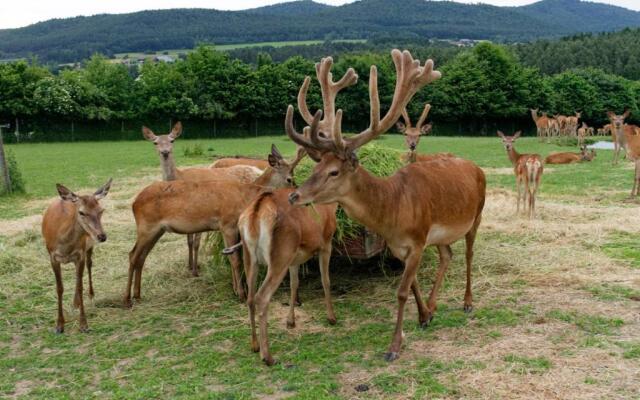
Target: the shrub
pixel 193 151
pixel 17 184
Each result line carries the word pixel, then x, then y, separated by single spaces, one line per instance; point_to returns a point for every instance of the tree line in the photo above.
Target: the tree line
pixel 485 83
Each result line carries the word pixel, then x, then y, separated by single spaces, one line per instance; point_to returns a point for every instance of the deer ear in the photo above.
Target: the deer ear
pixel 517 134
pixel 148 134
pixel 401 127
pixel 66 194
pixel 176 131
pixel 500 134
pixel 425 129
pixel 103 191
pixel 627 112
pixel 610 114
pixel 274 157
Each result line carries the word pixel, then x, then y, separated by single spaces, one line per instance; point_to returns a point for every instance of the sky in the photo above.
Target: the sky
pixel 15 14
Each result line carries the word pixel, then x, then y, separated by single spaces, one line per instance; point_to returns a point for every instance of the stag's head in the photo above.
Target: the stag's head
pixel 412 133
pixel 332 178
pixel 508 141
pixel 88 209
pixel 618 120
pixel 163 143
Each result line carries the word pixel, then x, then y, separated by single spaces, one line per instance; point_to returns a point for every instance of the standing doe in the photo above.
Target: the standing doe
pixel 618 132
pixel 70 227
pixel 528 169
pixel 412 134
pixel 164 147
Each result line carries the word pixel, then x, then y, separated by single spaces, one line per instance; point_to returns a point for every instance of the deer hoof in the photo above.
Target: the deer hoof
pixel 269 361
pixel 468 308
pixel 332 320
pixel 425 324
pixel 85 329
pixel 291 324
pixel 127 303
pixel 391 356
pixel 59 330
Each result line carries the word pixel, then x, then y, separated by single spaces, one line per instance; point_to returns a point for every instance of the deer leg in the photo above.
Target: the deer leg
pixel 275 274
pixel 519 189
pixel 230 237
pixel 636 180
pixel 616 150
pixel 411 264
pixel 294 284
pixel 137 257
pixel 78 297
pixel 251 271
pixel 470 239
pixel 196 248
pixel 89 264
pixel 59 291
pixel 423 312
pixel 146 250
pixel 190 245
pixel 445 258
pixel 324 258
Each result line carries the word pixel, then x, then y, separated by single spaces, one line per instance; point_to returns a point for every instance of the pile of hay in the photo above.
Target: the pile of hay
pixel 380 161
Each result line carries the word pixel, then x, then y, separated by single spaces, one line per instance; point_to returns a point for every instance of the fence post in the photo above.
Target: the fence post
pixel 3 162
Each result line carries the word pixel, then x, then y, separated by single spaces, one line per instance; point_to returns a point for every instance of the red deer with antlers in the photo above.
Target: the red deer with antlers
pixel 164 147
pixel 426 203
pixel 528 169
pixel 618 132
pixel 199 206
pixel 70 227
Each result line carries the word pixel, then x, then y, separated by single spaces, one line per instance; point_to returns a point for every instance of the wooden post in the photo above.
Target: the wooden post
pixel 3 162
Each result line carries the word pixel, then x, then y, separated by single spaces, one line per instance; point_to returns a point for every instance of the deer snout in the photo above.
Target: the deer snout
pixel 293 197
pixel 412 146
pixel 102 237
pixel 165 154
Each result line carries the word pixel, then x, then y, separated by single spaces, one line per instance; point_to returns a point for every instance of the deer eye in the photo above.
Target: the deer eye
pixel 155 143
pixel 333 173
pixel 171 141
pixel 82 214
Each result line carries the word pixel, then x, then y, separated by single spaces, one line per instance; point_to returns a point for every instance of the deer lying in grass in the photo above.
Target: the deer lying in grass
pixel 282 236
pixel 528 169
pixel 570 157
pixel 233 161
pixel 189 207
pixel 164 147
pixel 70 227
pixel 412 134
pixel 617 133
pixel 425 203
pixel 632 138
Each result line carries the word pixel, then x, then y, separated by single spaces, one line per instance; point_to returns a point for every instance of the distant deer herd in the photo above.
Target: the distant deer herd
pixel 434 200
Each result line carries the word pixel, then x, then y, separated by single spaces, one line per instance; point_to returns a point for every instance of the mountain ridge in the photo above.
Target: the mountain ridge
pixel 72 39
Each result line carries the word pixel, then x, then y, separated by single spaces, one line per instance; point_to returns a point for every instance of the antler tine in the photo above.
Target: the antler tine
pixel 337 131
pixel 405 116
pixel 302 101
pixel 423 116
pixel 291 130
pixel 300 153
pixel 410 77
pixel 330 90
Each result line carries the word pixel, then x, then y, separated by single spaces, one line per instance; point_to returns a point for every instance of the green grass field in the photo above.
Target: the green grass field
pixel 555 298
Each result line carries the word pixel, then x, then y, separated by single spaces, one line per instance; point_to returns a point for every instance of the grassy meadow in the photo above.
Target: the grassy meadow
pixel 556 299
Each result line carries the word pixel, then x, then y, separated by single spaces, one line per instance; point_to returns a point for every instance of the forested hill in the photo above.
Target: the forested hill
pixel 73 39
